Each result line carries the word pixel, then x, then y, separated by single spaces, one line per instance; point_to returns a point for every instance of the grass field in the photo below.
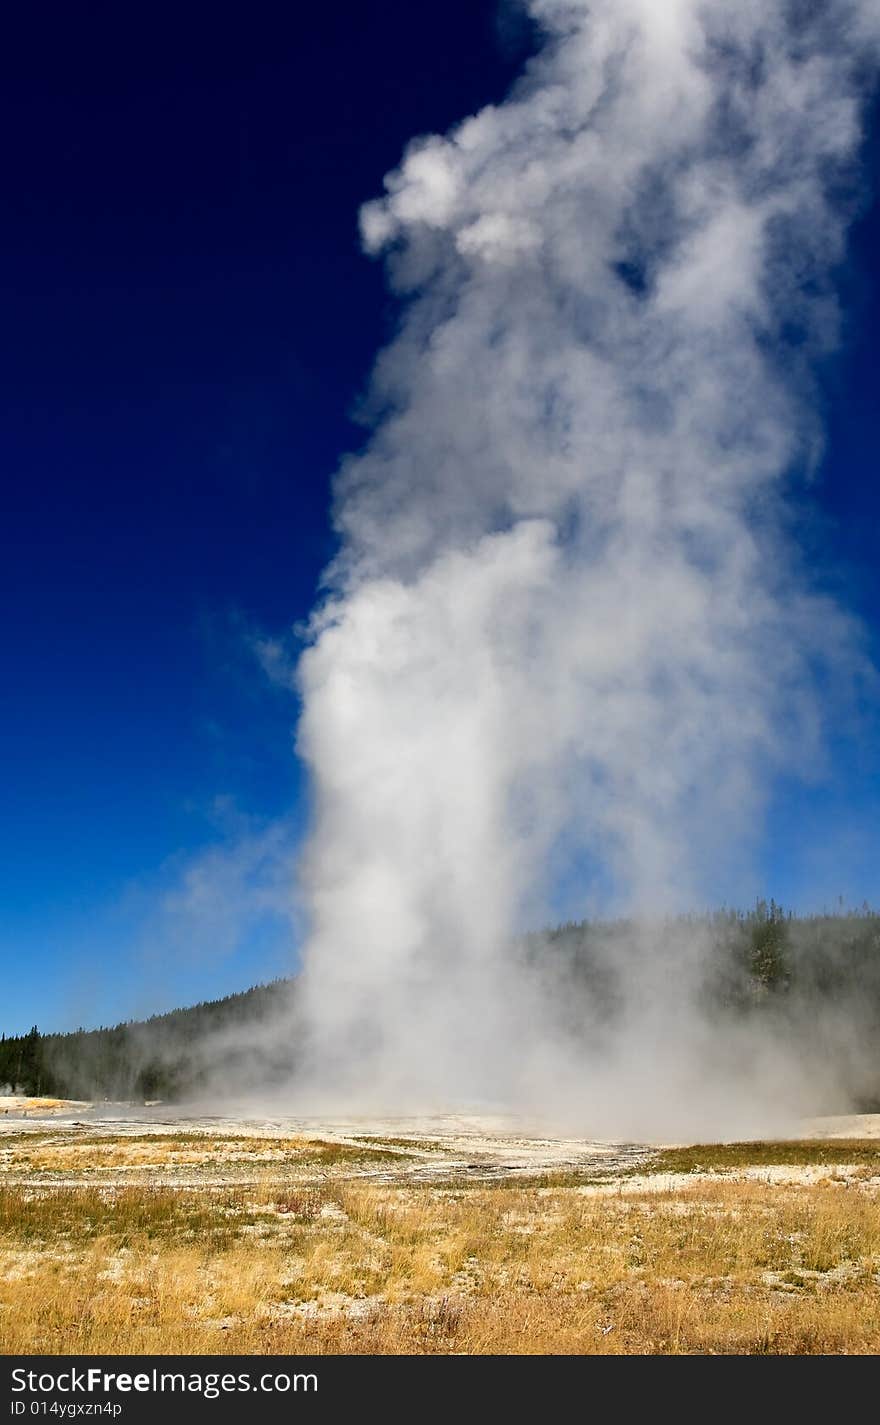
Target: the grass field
pixel 769 1248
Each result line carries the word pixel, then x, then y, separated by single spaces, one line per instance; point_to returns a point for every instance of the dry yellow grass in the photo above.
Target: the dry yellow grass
pixel 85 1157
pixel 717 1265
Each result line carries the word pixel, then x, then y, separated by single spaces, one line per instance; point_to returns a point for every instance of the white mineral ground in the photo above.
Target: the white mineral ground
pixel 429 1147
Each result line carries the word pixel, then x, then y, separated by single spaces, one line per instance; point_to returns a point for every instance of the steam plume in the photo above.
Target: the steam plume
pixel 566 638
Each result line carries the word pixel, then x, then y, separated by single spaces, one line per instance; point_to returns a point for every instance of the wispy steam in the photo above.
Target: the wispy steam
pixel 567 637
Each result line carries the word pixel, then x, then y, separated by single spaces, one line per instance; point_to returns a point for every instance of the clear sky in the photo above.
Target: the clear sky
pixel 188 320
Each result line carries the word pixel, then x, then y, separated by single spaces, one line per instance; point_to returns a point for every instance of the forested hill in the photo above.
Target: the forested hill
pixel 765 964
pixel 163 1057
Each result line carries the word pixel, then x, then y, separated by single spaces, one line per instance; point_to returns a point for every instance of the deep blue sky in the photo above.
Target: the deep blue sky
pixel 187 320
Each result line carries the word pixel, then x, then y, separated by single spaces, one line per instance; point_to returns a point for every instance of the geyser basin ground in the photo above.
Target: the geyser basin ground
pixel 431 1147
pixel 133 1232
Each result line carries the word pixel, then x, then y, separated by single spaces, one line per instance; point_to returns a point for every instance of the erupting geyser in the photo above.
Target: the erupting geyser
pixel 565 628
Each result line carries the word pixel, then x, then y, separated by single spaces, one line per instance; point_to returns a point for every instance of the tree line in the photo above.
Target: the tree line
pixel 165 1057
pixel 763 962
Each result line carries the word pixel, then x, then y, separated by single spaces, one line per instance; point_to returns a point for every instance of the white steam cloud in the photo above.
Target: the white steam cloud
pixel 567 636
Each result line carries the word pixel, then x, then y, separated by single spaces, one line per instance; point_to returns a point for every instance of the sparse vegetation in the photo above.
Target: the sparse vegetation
pixel 722 1263
pixel 728 1157
pixel 84 1158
